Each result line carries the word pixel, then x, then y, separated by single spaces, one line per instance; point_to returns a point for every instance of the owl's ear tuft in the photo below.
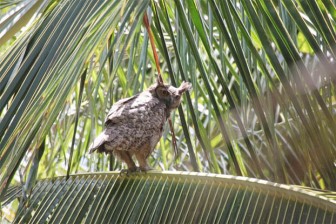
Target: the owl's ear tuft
pixel 185 86
pixel 159 80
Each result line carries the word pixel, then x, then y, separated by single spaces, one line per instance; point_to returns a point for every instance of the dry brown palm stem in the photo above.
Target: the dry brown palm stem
pixel 151 39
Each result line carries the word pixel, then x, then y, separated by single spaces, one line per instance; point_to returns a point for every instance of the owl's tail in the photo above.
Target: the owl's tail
pixel 98 143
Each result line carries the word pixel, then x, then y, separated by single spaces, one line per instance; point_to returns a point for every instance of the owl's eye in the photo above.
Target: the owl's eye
pixel 165 92
pixel 162 92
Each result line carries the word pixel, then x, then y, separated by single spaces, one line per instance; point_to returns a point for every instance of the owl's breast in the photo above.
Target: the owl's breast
pixel 159 119
pixel 143 127
pixel 153 120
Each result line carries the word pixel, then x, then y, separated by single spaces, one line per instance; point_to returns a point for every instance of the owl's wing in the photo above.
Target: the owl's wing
pixel 129 108
pixel 116 109
pixel 98 142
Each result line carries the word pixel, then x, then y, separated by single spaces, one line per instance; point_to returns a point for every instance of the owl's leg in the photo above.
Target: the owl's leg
pixel 142 159
pixel 126 157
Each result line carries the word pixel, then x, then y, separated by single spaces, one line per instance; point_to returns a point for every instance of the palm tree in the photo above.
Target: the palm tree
pixel 262 103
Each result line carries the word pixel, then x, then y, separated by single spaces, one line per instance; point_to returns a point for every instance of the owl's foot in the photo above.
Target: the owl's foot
pixel 135 170
pixel 145 169
pixel 129 171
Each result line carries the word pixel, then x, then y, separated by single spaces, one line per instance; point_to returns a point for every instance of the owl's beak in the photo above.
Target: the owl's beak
pixel 185 86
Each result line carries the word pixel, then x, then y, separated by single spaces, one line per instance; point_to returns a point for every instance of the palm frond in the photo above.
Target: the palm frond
pixel 175 197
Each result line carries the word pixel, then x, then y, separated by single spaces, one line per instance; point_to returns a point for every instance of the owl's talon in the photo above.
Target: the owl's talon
pixel 145 169
pixel 124 171
pixel 129 171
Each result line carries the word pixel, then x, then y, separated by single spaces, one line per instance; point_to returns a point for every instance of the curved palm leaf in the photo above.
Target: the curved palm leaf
pixel 173 197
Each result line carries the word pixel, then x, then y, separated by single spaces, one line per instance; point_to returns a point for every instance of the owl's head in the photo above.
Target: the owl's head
pixel 170 94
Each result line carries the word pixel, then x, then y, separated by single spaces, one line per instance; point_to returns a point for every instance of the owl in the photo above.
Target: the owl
pixel 134 125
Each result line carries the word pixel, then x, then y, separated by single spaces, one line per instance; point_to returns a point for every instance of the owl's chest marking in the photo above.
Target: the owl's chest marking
pixel 141 126
pixel 147 128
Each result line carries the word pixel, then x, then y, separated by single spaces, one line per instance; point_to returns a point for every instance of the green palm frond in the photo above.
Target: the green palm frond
pixel 12 193
pixel 172 197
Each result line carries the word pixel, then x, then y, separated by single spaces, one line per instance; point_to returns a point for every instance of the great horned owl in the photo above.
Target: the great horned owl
pixel 134 125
